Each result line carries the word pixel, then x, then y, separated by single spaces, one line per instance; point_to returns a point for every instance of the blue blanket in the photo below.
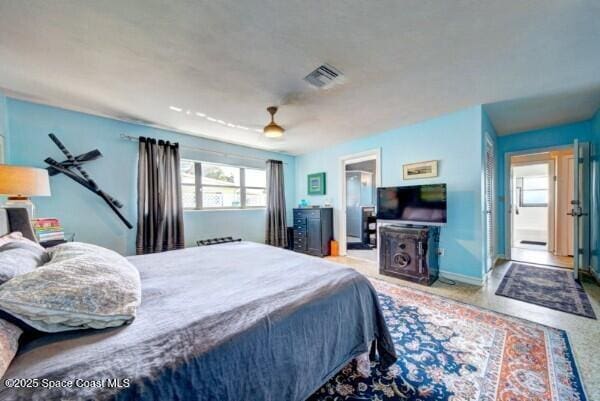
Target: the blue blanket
pixel 237 321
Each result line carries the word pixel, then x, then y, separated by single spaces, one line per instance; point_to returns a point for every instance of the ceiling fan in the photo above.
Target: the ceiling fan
pixel 273 130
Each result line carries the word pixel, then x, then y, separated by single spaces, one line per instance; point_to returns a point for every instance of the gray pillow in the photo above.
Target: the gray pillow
pixel 20 257
pixel 83 286
pixel 9 344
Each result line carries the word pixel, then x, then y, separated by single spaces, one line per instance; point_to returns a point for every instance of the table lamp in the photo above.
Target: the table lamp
pixel 18 183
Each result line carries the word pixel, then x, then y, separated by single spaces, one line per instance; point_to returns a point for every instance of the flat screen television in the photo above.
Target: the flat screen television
pixel 425 204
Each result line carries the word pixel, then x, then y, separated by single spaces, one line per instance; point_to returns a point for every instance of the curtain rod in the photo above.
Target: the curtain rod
pixel 215 152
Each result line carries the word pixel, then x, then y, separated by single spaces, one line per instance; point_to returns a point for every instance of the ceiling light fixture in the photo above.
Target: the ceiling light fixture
pixel 177 109
pixel 273 130
pixel 200 114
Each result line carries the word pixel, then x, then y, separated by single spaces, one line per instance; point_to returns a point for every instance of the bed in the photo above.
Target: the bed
pixel 238 321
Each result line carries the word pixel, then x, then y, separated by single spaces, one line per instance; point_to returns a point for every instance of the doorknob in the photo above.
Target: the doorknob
pixel 576 212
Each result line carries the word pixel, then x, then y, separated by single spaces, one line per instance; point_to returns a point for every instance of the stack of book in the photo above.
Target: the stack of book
pixel 48 229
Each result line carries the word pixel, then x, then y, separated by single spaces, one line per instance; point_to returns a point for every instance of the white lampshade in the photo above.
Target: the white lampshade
pixel 23 182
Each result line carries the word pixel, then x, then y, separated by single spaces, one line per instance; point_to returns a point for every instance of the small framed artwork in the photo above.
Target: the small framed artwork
pixel 316 184
pixel 427 169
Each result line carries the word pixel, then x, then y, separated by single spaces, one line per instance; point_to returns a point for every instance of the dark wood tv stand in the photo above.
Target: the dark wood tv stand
pixel 409 252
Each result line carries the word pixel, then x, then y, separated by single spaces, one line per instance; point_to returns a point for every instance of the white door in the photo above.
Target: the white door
pixel 570 185
pixel 490 163
pixel 580 207
pixel 576 209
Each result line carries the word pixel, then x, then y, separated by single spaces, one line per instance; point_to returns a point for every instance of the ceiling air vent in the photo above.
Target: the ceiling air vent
pixel 324 77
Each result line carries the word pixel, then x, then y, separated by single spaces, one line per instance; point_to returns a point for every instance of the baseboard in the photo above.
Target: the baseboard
pixel 596 275
pixel 462 278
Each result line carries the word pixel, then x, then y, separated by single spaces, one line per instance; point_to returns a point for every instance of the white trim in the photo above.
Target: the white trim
pixel 508 190
pixel 463 279
pixel 550 245
pixel 225 209
pixel 341 212
pixel 489 143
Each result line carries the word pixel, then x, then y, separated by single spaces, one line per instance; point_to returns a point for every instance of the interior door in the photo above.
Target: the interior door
pixel 490 162
pixel 570 185
pixel 580 207
pixel 575 210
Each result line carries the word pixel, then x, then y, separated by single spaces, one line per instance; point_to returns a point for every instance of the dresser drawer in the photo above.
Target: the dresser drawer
pixel 300 244
pixel 304 213
pixel 299 222
pixel 299 233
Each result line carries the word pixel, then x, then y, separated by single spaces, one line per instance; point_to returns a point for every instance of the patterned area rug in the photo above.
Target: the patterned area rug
pixel 552 288
pixel 454 351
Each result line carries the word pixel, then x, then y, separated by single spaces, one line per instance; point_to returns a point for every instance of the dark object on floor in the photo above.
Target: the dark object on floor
pixel 358 245
pixel 72 168
pixel 533 242
pixel 216 241
pixel 409 253
pixel 552 288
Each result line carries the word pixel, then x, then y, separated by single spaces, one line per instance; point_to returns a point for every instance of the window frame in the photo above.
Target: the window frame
pixel 521 190
pixel 198 186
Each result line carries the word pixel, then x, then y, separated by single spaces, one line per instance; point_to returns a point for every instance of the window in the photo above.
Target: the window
pixel 533 191
pixel 208 186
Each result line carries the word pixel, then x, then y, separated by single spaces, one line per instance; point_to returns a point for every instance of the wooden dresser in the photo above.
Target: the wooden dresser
pixel 313 230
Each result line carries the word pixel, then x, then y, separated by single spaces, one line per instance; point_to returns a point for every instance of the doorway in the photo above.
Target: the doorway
pixel 542 187
pixel 358 225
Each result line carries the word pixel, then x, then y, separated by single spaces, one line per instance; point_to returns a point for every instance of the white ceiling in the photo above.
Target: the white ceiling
pixel 404 61
pixel 519 115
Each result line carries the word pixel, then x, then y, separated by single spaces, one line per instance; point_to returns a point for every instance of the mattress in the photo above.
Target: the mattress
pixel 238 321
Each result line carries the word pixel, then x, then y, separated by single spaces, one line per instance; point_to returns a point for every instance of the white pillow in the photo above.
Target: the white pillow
pixel 83 286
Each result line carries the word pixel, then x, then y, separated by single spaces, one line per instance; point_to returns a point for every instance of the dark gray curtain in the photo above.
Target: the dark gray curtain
pixel 160 208
pixel 276 232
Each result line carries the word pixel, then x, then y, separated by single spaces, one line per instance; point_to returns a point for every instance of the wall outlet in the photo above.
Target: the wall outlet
pixel 441 251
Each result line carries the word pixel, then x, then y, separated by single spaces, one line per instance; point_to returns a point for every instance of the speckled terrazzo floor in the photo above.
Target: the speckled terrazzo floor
pixel 584 333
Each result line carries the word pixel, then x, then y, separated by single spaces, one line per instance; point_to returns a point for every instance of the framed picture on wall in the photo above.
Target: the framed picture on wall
pixel 316 184
pixel 428 169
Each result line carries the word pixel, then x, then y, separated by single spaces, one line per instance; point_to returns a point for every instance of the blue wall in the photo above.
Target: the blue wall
pixel 455 140
pixel 561 135
pixel 595 187
pixel 84 213
pixel 4 124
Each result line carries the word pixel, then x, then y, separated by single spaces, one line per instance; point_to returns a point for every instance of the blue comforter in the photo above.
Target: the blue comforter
pixel 237 321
